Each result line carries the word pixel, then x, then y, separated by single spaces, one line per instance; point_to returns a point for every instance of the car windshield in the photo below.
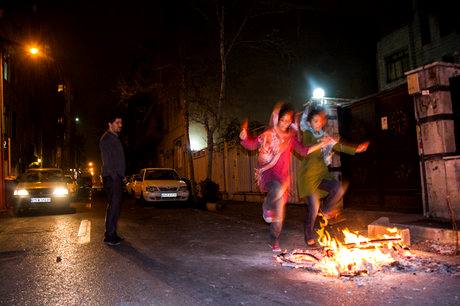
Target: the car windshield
pixel 42 176
pixel 161 174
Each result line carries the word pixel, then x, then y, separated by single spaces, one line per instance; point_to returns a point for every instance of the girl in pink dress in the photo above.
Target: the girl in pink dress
pixel 275 146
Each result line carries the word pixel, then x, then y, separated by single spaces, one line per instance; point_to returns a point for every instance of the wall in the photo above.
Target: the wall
pixel 440 166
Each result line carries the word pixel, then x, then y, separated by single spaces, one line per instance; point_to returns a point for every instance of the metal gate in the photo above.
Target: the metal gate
pixel 387 176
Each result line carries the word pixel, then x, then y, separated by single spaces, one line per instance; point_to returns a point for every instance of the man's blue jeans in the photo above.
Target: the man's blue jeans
pixel 113 187
pixel 330 203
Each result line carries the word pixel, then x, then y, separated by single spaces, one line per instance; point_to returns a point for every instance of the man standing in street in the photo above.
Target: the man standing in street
pixel 113 173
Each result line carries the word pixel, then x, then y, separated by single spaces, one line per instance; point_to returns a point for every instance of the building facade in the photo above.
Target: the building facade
pixel 433 34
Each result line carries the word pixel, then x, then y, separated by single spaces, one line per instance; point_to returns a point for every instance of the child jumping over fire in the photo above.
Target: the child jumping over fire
pixel 314 181
pixel 275 146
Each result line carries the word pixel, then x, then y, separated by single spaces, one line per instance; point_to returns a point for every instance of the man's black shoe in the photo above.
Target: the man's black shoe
pixel 119 238
pixel 112 240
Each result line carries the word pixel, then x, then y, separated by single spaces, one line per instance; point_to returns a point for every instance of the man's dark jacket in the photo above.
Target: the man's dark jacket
pixel 113 157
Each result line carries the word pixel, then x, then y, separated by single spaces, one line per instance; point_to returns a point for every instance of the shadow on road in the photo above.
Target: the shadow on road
pixel 145 262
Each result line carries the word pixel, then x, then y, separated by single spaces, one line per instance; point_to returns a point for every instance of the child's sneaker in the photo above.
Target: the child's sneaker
pixel 275 247
pixel 268 215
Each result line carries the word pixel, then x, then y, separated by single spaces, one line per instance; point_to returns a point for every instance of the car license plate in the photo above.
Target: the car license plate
pixel 169 195
pixel 40 200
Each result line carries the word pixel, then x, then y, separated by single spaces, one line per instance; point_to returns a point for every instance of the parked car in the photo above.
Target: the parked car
pixel 130 183
pixel 97 184
pixel 41 188
pixel 85 187
pixel 160 185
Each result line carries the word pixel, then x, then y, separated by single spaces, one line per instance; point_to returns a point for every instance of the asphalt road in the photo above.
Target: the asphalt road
pixel 178 255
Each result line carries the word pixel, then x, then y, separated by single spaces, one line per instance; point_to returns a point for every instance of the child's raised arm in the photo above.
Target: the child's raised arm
pixel 248 142
pixel 305 150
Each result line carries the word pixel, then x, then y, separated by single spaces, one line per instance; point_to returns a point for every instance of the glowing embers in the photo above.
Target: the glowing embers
pixel 354 255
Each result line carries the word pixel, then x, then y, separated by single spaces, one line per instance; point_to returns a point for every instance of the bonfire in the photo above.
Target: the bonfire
pixel 354 255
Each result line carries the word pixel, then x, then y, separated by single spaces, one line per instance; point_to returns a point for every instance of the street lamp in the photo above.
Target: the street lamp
pixel 318 93
pixel 34 51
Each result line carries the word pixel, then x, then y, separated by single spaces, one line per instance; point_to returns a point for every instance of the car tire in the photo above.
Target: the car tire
pixel 67 209
pixel 142 200
pixel 138 199
pixel 18 210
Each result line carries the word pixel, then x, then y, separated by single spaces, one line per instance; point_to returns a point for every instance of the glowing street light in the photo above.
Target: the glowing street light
pixel 318 93
pixel 90 164
pixel 77 119
pixel 34 51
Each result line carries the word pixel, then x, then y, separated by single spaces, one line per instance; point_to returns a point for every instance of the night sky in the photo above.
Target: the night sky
pixel 97 42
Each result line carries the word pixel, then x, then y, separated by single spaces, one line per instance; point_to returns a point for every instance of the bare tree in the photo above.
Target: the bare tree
pixel 207 107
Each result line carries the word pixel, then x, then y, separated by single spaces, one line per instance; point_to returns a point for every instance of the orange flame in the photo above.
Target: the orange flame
pixel 357 254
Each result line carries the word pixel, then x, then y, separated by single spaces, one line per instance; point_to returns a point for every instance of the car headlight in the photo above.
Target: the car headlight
pixel 21 192
pixel 151 189
pixel 60 192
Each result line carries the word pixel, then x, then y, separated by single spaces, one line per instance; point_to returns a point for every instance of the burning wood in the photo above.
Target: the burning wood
pixel 355 255
pixel 371 242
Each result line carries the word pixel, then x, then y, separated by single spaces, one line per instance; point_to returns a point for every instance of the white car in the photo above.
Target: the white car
pixel 160 185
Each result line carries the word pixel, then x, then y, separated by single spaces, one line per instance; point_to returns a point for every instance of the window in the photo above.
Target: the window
pixel 448 22
pixel 396 64
pixel 161 174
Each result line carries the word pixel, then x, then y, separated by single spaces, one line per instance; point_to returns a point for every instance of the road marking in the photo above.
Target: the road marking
pixel 84 232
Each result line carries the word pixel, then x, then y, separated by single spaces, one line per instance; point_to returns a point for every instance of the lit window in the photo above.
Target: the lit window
pixel 60 88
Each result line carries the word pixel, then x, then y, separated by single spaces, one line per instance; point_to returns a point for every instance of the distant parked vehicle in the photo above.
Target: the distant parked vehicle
pixel 97 183
pixel 41 188
pixel 85 187
pixel 160 185
pixel 72 186
pixel 130 183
